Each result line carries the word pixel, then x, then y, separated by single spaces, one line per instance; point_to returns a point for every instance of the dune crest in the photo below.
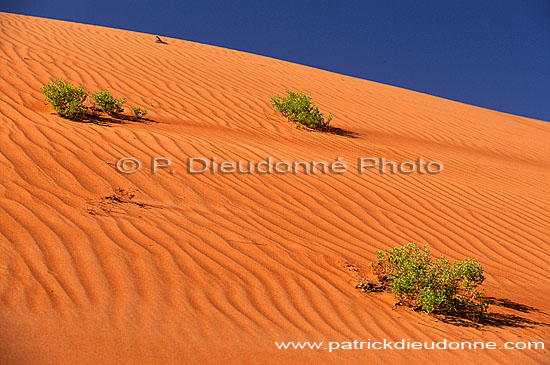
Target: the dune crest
pixel 215 268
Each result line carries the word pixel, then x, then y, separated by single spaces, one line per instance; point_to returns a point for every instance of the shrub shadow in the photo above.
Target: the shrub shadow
pixel 467 319
pixel 492 319
pixel 507 303
pixel 500 320
pixel 342 132
pixel 331 130
pixel 108 121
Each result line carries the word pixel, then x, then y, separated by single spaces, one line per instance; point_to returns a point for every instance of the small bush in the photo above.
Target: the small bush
pixel 66 100
pixel 432 285
pixel 107 103
pixel 298 107
pixel 139 113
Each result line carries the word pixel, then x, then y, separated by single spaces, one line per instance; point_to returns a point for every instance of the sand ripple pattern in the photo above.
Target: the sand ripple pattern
pixel 211 268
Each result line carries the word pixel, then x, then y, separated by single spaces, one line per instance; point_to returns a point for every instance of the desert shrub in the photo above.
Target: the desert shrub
pixel 432 285
pixel 65 99
pixel 107 103
pixel 139 113
pixel 298 107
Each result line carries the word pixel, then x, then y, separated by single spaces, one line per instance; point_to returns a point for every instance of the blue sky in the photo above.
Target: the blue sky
pixel 490 53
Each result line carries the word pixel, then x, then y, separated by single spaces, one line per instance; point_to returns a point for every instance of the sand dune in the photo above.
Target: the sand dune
pixel 213 268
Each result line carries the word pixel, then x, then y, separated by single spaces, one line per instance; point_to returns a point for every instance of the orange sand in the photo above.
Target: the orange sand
pixel 215 268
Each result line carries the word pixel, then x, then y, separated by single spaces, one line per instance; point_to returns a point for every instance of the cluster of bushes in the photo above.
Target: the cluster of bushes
pixel 298 108
pixel 104 101
pixel 432 285
pixel 69 101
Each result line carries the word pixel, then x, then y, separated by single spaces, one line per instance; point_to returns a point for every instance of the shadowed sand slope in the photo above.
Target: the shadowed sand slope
pixel 212 268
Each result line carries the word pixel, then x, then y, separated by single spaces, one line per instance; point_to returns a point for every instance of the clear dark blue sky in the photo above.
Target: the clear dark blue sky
pixel 490 53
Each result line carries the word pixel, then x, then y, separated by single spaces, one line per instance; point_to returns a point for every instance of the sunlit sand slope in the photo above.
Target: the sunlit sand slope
pixel 213 268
